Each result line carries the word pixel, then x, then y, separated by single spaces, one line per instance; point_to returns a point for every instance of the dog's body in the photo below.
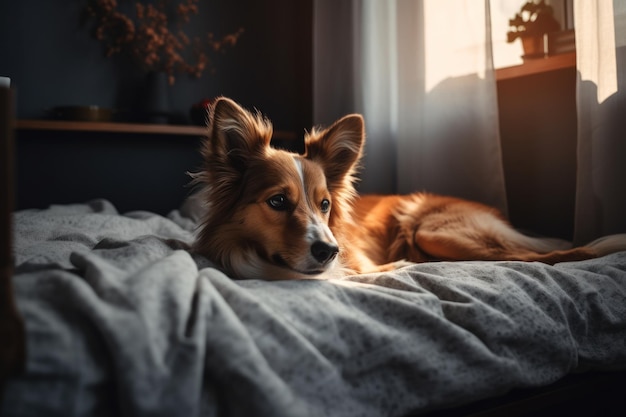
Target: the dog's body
pixel 273 214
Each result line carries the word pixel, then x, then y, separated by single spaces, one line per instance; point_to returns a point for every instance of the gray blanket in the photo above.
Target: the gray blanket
pixel 122 320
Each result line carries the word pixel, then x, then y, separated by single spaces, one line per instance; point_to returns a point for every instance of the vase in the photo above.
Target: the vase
pixel 156 98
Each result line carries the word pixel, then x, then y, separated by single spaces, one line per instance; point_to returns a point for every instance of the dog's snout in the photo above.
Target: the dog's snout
pixel 324 252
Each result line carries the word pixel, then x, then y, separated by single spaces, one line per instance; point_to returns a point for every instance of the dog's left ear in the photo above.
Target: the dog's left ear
pixel 338 148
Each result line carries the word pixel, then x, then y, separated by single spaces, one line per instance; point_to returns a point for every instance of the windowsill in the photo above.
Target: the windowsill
pixel 537 66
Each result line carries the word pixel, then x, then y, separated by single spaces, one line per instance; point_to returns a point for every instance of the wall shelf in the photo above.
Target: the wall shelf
pixel 63 125
pixel 130 128
pixel 537 66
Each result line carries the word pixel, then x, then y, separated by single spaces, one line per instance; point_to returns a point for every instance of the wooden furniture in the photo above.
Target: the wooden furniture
pixel 77 126
pixel 538 66
pixel 538 131
pixel 12 339
pixel 131 128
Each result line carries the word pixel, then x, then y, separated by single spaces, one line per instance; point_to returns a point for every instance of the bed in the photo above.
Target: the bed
pixel 119 317
pixel 122 319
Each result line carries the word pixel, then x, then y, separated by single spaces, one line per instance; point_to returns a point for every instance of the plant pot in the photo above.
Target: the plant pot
pixel 533 47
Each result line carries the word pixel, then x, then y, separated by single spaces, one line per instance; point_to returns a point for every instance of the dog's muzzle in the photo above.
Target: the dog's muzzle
pixel 324 252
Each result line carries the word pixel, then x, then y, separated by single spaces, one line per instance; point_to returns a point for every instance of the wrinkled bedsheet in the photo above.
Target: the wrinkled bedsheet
pixel 122 319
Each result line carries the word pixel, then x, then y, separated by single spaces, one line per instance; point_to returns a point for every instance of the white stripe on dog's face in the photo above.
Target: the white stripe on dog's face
pixel 300 171
pixel 317 229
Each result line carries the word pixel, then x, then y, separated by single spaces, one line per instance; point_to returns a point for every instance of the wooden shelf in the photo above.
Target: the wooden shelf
pixel 64 125
pixel 537 66
pixel 133 128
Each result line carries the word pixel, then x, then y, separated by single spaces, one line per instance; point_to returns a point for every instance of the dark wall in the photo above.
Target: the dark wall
pixel 133 171
pixel 53 60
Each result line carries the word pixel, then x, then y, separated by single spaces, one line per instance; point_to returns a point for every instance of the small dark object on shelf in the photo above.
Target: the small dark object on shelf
pixel 199 112
pixel 82 113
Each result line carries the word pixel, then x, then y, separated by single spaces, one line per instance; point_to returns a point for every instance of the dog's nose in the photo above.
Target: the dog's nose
pixel 324 252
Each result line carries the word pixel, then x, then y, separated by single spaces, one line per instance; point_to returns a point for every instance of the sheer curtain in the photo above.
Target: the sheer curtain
pixel 421 73
pixel 601 102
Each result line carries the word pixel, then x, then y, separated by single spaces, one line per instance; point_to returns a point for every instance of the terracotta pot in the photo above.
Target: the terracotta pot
pixel 533 46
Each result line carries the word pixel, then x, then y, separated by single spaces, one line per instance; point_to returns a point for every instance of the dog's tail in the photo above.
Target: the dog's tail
pixel 608 244
pixel 555 250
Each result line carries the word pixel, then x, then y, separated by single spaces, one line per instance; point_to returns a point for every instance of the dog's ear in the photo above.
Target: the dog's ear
pixel 338 148
pixel 236 134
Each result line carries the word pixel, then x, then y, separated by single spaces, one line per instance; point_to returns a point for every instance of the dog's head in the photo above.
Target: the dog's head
pixel 270 213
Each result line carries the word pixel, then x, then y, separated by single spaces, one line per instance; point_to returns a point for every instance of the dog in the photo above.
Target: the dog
pixel 273 214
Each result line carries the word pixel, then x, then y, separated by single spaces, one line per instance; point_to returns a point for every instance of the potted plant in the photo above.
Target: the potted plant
pixel 530 24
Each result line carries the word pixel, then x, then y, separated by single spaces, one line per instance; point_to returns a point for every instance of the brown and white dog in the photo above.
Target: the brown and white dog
pixel 272 214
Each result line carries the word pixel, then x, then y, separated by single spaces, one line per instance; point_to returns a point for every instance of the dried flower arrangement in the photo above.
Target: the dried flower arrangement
pixel 149 37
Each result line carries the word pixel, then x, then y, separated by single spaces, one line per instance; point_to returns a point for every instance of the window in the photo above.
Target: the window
pixel 507 54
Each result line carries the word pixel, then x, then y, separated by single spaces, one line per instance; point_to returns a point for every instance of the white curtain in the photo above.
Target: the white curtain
pixel 421 73
pixel 601 100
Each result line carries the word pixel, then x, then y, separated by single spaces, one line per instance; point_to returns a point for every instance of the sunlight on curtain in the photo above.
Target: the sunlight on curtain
pixel 505 54
pixel 596 46
pixel 456 41
pixel 448 133
pixel 421 73
pixel 601 100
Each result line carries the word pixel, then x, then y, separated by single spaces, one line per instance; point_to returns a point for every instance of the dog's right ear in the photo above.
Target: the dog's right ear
pixel 338 148
pixel 235 134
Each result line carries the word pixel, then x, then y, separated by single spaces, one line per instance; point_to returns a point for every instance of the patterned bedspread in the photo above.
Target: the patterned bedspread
pixel 123 320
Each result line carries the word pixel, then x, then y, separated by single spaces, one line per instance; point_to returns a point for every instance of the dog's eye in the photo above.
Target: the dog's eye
pixel 325 206
pixel 278 202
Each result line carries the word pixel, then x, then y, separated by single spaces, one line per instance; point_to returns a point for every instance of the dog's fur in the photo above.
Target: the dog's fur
pixel 273 214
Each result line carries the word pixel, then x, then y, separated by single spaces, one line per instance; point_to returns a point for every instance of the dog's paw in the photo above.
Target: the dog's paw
pixel 392 266
pixel 402 263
